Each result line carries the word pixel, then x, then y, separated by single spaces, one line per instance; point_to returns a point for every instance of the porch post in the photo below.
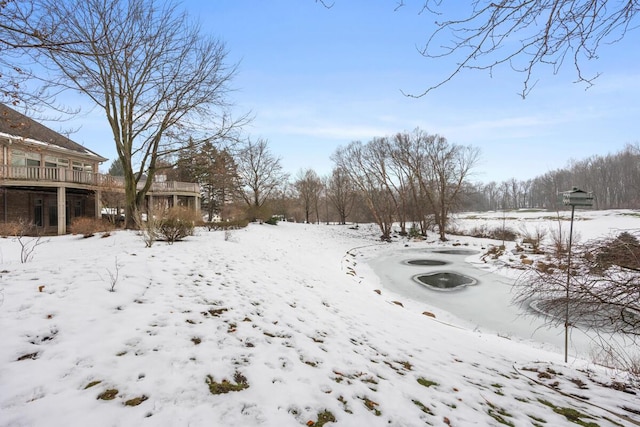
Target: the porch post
pixel 175 200
pixel 98 196
pixel 62 211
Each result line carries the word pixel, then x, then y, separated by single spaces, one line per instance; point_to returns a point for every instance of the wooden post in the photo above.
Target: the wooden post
pixel 62 210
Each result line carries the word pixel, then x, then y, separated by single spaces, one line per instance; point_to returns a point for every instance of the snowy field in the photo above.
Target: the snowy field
pixel 286 325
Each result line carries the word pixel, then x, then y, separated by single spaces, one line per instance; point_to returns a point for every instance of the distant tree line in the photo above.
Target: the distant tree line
pixel 411 180
pixel 614 180
pixel 414 179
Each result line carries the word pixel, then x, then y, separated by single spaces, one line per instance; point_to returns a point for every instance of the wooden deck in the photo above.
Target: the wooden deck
pixel 56 177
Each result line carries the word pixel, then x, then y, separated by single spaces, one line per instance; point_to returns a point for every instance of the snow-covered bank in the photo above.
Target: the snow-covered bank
pixel 287 310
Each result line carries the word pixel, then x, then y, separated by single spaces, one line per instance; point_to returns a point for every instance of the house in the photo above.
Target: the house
pixel 48 180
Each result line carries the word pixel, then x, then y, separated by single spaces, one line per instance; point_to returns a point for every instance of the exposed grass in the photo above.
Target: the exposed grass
pixel 372 406
pixel 92 383
pixel 571 414
pixel 630 214
pixel 405 364
pixel 537 419
pixel 135 401
pixel 422 407
pixel 227 386
pixel 499 414
pixel 215 312
pixel 109 394
pixel 324 417
pixel 499 417
pixel 32 356
pixel 426 383
pixel 498 389
pixel 345 405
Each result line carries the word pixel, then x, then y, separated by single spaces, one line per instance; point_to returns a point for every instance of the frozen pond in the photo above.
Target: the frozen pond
pixel 485 305
pixel 445 281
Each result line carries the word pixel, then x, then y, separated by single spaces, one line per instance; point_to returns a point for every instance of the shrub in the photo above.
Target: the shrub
pixel 89 226
pixel 500 233
pixel 177 224
pixel 148 225
pixel 623 251
pixel 8 229
pixel 479 231
pixel 482 231
pixel 226 225
pixel 414 233
pixel 272 221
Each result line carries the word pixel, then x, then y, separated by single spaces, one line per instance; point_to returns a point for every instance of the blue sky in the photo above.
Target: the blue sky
pixel 316 79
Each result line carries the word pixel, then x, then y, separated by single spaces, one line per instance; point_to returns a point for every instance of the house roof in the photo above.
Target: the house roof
pixel 16 124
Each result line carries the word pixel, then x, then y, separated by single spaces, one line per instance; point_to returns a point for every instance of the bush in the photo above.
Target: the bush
pixel 622 251
pixel 482 231
pixel 177 224
pixel 89 226
pixel 500 233
pixel 226 225
pixel 11 229
pixel 272 221
pixel 414 233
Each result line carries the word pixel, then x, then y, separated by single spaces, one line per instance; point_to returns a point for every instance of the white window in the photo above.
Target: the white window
pixel 21 158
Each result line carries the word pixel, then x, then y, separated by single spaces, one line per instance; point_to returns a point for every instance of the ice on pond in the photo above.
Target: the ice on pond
pixel 445 280
pixel 426 262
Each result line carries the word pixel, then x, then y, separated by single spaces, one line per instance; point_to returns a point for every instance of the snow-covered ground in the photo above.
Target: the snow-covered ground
pixel 293 320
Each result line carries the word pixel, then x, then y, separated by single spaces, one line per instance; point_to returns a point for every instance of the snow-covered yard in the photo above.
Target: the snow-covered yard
pixel 282 325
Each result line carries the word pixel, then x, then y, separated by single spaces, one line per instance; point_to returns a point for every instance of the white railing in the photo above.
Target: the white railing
pixel 173 186
pixel 42 173
pixel 49 174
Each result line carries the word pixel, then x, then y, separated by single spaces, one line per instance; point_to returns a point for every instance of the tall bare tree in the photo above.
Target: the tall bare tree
pixel 437 172
pixel 450 165
pixel 362 165
pixel 409 155
pixel 341 192
pixel 157 77
pixel 260 175
pixel 309 187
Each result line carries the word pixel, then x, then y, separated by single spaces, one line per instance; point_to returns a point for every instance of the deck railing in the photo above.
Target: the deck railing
pixel 49 174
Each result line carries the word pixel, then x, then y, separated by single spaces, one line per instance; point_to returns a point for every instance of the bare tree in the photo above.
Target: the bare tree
pixel 419 170
pixel 526 35
pixel 260 175
pixel 341 193
pixel 409 157
pixel 450 165
pixel 309 187
pixel 154 73
pixel 363 166
pixel 439 171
